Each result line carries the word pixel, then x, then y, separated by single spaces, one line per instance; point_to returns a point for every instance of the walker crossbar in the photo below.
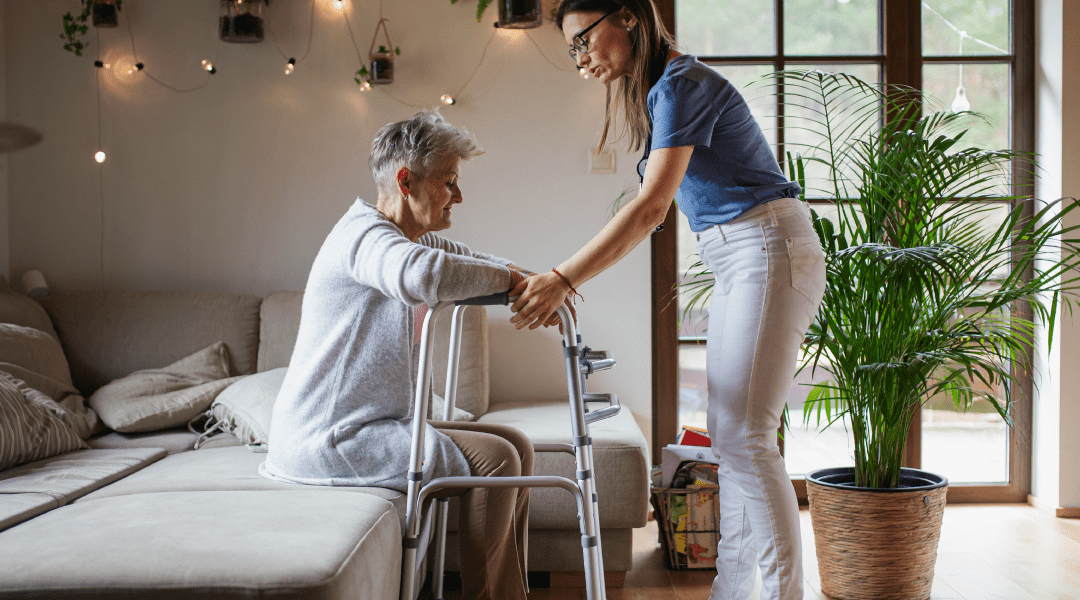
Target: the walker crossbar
pixel 580 363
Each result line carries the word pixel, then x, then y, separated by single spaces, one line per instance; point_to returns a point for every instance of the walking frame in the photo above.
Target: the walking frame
pixel 580 363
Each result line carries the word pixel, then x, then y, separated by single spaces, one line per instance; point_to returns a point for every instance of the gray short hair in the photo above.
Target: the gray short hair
pixel 417 144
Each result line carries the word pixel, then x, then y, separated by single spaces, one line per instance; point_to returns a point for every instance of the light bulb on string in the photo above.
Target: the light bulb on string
pixel 338 4
pixel 99 156
pixel 583 72
pixel 365 87
pixel 960 103
pixel 447 99
pixel 209 66
pixel 290 66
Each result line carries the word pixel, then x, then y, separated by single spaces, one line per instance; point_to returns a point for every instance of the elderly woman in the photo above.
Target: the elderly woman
pixel 343 414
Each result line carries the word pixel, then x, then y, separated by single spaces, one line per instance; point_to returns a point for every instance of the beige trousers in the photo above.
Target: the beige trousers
pixel 493 523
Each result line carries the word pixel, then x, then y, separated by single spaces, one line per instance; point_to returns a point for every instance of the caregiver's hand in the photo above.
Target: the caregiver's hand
pixel 538 298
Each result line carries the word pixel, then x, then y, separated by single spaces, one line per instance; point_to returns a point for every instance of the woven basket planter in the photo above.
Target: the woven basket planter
pixel 876 544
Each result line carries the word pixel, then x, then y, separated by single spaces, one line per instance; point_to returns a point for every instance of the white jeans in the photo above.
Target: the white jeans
pixel 770 277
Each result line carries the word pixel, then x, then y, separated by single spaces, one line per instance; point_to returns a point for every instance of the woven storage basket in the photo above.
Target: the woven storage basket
pixel 876 544
pixel 689 521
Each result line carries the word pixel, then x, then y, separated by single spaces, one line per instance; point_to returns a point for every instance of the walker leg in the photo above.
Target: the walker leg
pixel 408 564
pixel 439 560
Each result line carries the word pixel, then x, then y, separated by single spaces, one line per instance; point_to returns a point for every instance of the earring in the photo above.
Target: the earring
pixel 628 29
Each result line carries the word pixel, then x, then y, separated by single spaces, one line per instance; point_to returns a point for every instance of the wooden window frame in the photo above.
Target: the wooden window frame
pixel 902 63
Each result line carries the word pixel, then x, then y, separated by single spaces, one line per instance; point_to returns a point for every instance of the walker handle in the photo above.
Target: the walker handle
pixel 500 298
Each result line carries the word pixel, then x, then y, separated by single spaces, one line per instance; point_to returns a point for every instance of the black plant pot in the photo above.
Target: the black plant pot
pixel 242 28
pixel 104 14
pixel 519 14
pixel 876 543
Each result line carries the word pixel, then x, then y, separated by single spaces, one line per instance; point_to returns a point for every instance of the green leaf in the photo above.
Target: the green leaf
pixel 480 6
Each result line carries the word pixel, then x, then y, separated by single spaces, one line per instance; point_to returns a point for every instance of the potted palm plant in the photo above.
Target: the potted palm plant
pixel 927 296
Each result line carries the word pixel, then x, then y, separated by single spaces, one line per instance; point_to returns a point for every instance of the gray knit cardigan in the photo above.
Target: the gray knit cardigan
pixel 343 415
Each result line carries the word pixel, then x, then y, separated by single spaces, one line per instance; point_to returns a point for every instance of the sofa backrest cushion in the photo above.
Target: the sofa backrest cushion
pixel 281 321
pixel 107 335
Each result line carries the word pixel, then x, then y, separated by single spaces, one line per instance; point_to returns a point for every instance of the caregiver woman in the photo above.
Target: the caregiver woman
pixel 705 150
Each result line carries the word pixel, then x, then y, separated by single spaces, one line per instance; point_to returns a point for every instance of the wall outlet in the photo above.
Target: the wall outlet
pixel 604 163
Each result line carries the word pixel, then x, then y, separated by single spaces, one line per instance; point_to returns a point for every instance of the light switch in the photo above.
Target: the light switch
pixel 602 163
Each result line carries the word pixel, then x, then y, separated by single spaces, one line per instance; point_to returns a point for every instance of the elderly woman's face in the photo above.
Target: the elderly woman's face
pixel 435 196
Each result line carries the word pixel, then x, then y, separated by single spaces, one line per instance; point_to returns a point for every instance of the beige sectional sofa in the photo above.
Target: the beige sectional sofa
pixel 147 515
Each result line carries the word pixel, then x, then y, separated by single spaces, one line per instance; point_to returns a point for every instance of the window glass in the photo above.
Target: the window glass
pixel 984 23
pixel 966 447
pixel 831 27
pixel 725 28
pixel 985 91
pixel 806 123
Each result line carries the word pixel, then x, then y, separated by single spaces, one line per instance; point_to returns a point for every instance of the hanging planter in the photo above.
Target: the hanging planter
pixel 519 14
pixel 242 20
pixel 103 13
pixel 382 59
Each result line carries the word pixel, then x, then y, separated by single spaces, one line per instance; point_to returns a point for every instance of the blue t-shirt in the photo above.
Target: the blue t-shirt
pixel 732 168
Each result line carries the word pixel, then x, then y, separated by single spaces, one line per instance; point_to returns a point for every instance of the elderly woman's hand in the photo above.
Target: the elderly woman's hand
pixel 538 298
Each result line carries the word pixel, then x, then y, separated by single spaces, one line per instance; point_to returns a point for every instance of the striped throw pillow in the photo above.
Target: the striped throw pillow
pixel 28 431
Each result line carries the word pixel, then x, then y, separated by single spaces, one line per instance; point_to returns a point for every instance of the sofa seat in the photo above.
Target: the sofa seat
pixel 43 485
pixel 208 544
pixel 232 468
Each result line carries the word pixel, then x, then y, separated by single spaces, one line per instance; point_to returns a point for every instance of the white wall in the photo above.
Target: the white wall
pixel 1056 414
pixel 234 186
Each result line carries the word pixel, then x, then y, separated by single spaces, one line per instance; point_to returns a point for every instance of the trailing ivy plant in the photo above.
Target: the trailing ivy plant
pixel 480 6
pixel 75 26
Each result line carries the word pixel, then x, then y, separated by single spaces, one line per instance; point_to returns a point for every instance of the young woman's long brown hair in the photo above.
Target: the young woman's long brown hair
pixel 651 43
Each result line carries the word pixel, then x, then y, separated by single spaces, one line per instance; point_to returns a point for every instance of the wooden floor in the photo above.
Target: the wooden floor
pixel 987 552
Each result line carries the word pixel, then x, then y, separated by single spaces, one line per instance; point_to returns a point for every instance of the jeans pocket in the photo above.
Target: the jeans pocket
pixel 807 267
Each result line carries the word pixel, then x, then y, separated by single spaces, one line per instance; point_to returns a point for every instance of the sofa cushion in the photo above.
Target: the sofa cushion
pixel 281 322
pixel 155 399
pixel 67 403
pixel 175 440
pixel 620 465
pixel 20 309
pixel 245 407
pixel 35 351
pixel 109 334
pixel 28 431
pixel 46 484
pixel 220 469
pixel 278 325
pixel 201 545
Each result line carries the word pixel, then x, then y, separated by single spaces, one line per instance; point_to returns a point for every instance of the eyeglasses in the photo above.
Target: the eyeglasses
pixel 580 45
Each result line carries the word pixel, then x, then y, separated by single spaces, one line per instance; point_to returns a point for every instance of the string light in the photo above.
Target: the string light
pixel 290 66
pixel 365 86
pixel 583 72
pixel 209 66
pixel 960 103
pixel 338 4
pixel 447 99
pixel 99 156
